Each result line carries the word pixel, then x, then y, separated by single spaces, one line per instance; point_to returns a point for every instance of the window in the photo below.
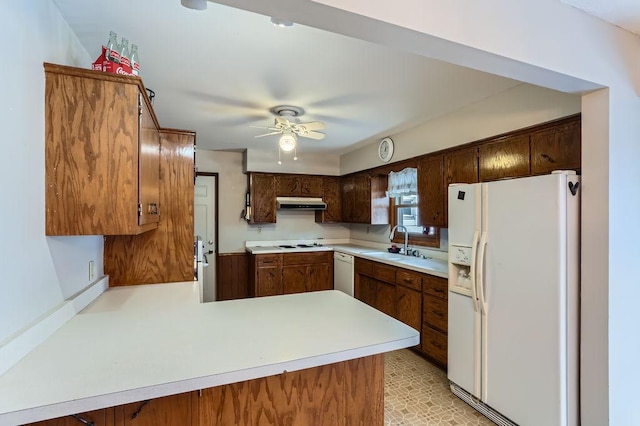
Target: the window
pixel 403 194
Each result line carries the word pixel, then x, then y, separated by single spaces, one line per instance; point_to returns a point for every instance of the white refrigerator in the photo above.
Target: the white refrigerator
pixel 514 298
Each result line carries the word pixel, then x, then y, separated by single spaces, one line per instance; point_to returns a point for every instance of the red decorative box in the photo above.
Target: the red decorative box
pixel 104 65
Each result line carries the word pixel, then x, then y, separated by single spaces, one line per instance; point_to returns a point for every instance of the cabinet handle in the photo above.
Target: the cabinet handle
pixel 437 345
pixel 438 313
pixel 152 208
pixel 135 413
pixel 437 290
pixel 82 420
pixel 548 158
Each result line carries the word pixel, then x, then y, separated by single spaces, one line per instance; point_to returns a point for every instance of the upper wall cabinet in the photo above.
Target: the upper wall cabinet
pixel 506 157
pixel 331 196
pixel 556 148
pixel 262 195
pixel 299 186
pixel 364 199
pixel 102 151
pixel 431 190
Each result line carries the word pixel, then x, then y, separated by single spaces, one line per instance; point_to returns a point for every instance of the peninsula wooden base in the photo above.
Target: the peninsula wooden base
pixel 344 393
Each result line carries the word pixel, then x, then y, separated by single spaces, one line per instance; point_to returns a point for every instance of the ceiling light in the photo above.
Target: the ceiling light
pixel 194 4
pixel 287 141
pixel 279 22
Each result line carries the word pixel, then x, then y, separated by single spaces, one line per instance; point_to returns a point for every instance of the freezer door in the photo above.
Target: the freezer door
pixel 528 299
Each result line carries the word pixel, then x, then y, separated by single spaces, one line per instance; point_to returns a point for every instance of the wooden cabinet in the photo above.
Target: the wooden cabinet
pixel 168 410
pixel 364 199
pixel 299 186
pixel 302 272
pixel 557 148
pixel 460 166
pixel 101 154
pixel 286 273
pixel 409 304
pixel 505 158
pixel 432 191
pixel 435 319
pixel 104 417
pixel 331 196
pixel 166 254
pixel 262 196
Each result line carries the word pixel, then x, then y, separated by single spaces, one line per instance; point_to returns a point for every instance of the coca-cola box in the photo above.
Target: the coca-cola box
pixel 105 65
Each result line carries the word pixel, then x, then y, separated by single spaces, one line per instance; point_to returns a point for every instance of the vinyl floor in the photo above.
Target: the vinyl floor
pixel 417 393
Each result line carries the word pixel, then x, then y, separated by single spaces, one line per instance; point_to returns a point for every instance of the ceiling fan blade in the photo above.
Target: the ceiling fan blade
pixel 313 135
pixel 312 125
pixel 269 134
pixel 263 127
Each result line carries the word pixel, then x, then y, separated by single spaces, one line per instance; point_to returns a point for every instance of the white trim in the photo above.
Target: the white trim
pixel 19 346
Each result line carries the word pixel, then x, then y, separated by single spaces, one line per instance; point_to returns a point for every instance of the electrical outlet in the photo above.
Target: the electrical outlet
pixel 92 271
pixel 259 229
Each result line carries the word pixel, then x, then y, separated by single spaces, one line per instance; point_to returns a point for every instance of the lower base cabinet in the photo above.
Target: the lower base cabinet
pixel 344 393
pixel 418 300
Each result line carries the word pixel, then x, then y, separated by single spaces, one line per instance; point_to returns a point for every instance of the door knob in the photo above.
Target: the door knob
pixel 210 242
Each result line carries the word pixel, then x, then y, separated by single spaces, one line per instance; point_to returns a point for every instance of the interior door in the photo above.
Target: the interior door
pixel 204 225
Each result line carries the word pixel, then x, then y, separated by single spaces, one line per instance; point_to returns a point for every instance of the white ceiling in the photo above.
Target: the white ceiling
pixel 220 70
pixel 623 13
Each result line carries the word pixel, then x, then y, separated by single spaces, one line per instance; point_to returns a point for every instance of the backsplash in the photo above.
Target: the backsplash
pixel 380 234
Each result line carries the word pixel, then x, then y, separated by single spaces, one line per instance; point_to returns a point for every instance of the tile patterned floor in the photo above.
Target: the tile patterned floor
pixel 417 394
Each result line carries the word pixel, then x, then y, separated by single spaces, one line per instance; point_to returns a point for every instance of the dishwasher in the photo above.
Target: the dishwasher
pixel 343 272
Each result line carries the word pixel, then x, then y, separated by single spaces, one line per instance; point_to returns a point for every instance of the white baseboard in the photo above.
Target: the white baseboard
pixel 24 342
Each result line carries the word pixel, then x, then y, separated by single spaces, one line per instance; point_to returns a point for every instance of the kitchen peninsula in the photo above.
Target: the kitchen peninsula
pixel 290 356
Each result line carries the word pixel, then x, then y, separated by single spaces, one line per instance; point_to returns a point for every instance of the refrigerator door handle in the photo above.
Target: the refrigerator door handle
pixel 472 272
pixel 482 300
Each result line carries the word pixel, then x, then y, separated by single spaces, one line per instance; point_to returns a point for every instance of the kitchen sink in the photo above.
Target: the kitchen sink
pixel 387 255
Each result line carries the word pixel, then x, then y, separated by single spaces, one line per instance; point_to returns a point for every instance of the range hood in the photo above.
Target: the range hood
pixel 300 203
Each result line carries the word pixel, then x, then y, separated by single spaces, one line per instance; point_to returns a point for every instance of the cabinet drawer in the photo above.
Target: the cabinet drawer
pixel 268 260
pixel 306 258
pixel 409 279
pixel 434 312
pixel 363 266
pixel 435 286
pixel 384 273
pixel 434 345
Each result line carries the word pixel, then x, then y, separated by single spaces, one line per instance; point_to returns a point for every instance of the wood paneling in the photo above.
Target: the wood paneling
pixel 91 153
pixel 506 157
pixel 225 405
pixel 365 391
pixel 263 197
pixel 233 276
pixel 331 196
pixel 104 417
pixel 431 190
pixel 556 148
pixel 166 253
pixel 169 410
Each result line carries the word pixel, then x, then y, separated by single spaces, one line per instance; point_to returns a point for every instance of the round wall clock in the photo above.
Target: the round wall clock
pixel 385 149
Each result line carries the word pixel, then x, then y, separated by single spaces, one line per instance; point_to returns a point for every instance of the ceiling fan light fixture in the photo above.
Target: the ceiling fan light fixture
pixel 279 22
pixel 287 142
pixel 194 4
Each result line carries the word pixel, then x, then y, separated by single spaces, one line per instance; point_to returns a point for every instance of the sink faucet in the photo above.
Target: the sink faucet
pixel 406 236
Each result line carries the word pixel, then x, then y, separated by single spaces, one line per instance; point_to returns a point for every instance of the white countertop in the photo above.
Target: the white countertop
pixel 141 342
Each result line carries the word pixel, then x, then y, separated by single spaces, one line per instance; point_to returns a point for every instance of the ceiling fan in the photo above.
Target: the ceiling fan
pixel 289 129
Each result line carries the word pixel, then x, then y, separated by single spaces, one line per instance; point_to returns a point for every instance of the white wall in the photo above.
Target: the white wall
pixel 307 163
pixel 521 106
pixel 233 230
pixel 36 273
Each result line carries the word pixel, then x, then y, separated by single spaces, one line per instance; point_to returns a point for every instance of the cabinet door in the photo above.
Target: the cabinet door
pixel 294 279
pixel 507 157
pixel 386 298
pixel 319 277
pixel 169 410
pixel 263 198
pixel 365 290
pixel 362 199
pixel 331 196
pixel 435 312
pixel 459 167
pixel 434 345
pixel 431 191
pixel 149 173
pixel 409 306
pixel 558 148
pixel 310 186
pixel 288 186
pixel 104 417
pixel 269 281
pixel 348 191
